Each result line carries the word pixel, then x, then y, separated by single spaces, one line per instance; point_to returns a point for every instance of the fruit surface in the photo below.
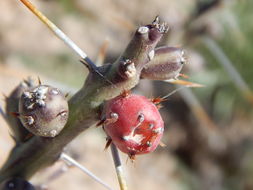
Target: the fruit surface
pixel 133 123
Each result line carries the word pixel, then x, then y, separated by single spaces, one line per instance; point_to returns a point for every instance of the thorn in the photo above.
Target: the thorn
pixel 29 82
pixel 133 161
pixel 159 106
pixel 25 81
pixel 61 113
pixel 102 53
pixel 156 20
pixel 162 144
pixel 125 93
pixel 111 120
pixel 108 143
pixel 4 95
pixel 13 137
pixel 132 157
pixel 14 114
pixel 39 81
pixel 28 136
pixel 162 27
pixel 127 160
pixel 93 68
pixel 101 122
pixel 183 75
pixel 185 83
pixel 157 100
pixel 66 95
pixel 83 61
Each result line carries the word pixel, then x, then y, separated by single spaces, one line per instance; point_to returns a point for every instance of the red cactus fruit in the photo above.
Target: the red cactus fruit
pixel 133 123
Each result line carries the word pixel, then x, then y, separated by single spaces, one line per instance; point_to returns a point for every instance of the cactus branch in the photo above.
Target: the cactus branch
pixel 36 153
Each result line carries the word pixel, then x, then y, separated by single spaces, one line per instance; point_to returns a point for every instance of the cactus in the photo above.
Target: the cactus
pixel 139 60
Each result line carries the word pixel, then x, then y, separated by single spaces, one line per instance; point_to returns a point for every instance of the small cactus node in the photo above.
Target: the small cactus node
pixel 43 110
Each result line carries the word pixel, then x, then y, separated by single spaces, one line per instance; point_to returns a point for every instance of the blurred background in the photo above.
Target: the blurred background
pixel 209 130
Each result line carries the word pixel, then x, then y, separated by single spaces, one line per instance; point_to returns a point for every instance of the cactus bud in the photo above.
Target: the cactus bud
pixel 133 123
pixel 165 63
pixel 43 110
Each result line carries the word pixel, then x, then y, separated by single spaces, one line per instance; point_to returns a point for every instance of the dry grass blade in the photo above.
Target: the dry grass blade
pixel 184 83
pixel 229 68
pixel 196 108
pixel 70 160
pixel 102 53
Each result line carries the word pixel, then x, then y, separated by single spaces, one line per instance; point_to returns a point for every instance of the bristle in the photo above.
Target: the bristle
pixel 113 118
pixel 67 94
pixel 102 53
pixel 157 100
pixel 162 144
pixel 28 136
pixel 101 122
pixel 183 75
pixel 14 114
pixel 125 93
pixel 61 113
pixel 159 106
pixel 13 137
pixel 108 143
pixel 39 81
pixel 5 96
pixel 83 61
pixel 110 121
pixel 132 157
